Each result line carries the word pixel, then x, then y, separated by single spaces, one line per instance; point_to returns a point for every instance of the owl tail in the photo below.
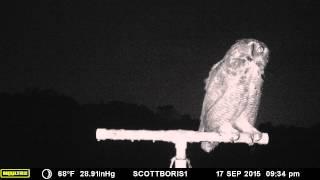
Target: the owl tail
pixel 209 146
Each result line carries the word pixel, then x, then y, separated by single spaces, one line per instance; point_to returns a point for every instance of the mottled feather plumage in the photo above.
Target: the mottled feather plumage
pixel 233 91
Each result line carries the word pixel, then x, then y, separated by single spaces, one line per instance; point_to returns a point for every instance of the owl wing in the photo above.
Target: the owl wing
pixel 215 88
pixel 254 101
pixel 213 72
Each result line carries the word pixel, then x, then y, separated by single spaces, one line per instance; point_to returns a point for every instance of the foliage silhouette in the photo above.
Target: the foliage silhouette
pixel 43 128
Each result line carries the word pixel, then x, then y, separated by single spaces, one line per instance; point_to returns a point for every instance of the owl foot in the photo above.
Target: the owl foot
pixel 245 127
pixel 233 136
pixel 255 137
pixel 229 132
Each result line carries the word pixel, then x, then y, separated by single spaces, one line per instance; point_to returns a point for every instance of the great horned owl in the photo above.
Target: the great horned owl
pixel 233 91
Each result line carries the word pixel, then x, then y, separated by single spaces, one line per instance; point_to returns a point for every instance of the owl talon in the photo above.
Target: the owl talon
pixel 235 137
pixel 255 137
pixel 232 136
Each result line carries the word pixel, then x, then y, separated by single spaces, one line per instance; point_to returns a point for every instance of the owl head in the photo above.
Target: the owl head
pixel 250 50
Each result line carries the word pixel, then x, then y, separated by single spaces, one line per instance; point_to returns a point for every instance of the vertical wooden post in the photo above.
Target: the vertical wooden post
pixel 181 159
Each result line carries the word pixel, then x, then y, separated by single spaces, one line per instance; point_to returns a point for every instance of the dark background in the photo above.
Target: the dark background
pixel 68 67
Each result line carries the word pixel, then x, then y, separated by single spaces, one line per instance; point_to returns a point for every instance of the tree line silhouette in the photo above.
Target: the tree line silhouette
pixel 43 128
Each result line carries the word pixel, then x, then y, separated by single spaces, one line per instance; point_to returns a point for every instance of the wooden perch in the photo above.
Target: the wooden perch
pixel 179 137
pixel 171 136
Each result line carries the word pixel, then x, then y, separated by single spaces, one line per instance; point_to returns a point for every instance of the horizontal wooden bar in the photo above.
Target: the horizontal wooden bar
pixel 173 136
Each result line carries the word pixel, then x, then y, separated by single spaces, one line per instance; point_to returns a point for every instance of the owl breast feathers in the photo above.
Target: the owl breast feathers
pixel 233 91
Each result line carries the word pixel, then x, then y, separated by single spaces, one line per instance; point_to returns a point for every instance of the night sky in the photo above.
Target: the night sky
pixel 159 52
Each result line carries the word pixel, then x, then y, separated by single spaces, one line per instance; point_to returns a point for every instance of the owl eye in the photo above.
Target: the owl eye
pixel 260 49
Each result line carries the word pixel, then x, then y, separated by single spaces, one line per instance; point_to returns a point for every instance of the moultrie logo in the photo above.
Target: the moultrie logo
pixel 14 173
